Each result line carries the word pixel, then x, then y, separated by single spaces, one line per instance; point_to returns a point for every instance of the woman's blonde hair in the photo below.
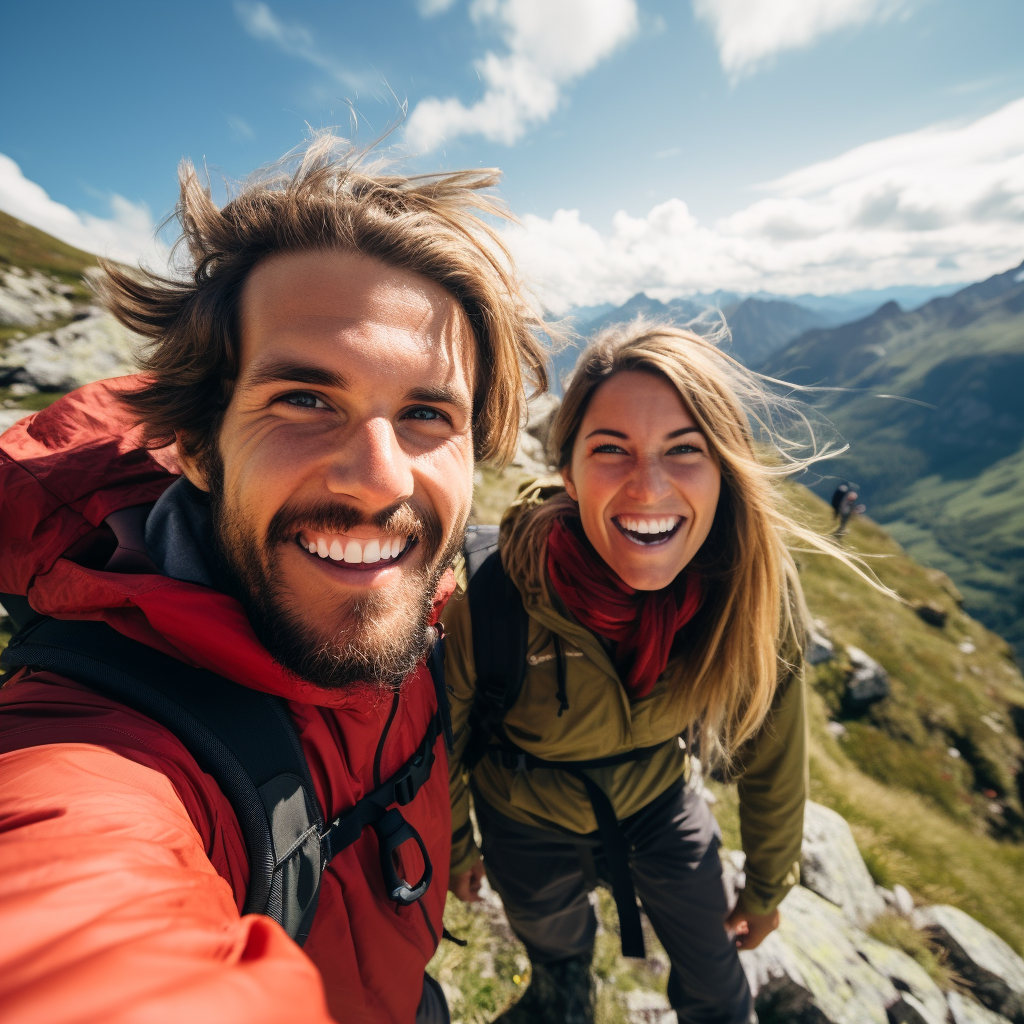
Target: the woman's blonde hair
pixel 750 627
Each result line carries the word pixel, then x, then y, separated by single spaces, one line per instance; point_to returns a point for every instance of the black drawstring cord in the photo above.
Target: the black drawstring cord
pixel 563 700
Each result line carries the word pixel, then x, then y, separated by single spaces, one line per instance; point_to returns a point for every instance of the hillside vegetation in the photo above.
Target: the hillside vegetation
pixel 931 405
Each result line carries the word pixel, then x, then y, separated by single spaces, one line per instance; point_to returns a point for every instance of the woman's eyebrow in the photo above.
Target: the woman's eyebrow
pixel 606 430
pixel 684 430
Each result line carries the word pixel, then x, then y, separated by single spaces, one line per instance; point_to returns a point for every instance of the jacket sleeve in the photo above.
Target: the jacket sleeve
pixel 460 677
pixel 772 790
pixel 111 910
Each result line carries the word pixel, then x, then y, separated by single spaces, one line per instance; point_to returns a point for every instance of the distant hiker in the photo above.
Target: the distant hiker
pixel 645 605
pixel 848 507
pixel 228 708
pixel 838 496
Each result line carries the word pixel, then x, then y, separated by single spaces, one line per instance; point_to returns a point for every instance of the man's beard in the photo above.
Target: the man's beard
pixel 381 636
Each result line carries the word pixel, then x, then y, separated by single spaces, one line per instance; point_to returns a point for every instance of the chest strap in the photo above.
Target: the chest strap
pixel 613 840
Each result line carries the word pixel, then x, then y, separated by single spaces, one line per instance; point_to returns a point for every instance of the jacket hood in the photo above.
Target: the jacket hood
pixel 75 487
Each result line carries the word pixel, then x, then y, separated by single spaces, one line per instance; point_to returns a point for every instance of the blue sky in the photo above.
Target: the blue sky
pixel 789 145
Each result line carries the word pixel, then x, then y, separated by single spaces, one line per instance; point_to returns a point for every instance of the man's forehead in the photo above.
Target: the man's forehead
pixel 324 301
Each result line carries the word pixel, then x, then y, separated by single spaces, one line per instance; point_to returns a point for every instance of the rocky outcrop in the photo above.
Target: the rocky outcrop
pixel 531 454
pixel 93 347
pixel 818 968
pixel 868 682
pixel 28 298
pixel 832 867
pixel 992 969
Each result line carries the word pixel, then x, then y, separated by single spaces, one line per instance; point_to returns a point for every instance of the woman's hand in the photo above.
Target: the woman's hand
pixel 466 884
pixel 749 930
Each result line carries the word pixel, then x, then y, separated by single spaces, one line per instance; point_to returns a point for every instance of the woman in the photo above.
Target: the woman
pixel 663 609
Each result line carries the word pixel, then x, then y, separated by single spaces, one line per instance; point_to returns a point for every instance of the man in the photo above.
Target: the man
pixel 342 348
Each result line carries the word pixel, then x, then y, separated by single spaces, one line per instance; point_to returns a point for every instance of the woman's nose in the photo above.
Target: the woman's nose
pixel 648 481
pixel 371 467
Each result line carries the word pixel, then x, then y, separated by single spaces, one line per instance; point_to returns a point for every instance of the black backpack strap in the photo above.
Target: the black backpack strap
pixel 247 741
pixel 242 737
pixel 500 635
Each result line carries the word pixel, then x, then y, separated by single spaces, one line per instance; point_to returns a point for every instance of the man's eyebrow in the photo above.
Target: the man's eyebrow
pixel 294 373
pixel 439 394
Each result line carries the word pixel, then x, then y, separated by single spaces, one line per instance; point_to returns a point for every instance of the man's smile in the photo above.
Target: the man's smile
pixel 359 553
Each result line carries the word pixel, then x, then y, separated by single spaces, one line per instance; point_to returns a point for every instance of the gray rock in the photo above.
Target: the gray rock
pixel 994 971
pixel 94 348
pixel 963 1010
pixel 831 866
pixel 28 298
pixel 868 682
pixel 819 648
pixel 810 970
pixel 925 1003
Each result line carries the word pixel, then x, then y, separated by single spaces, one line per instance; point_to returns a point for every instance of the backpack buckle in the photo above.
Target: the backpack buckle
pixel 392 832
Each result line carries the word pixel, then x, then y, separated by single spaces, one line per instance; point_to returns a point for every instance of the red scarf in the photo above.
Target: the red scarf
pixel 643 623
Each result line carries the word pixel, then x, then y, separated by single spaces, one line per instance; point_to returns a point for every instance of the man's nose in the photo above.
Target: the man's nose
pixel 371 469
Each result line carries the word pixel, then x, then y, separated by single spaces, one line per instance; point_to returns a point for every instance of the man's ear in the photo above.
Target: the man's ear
pixel 190 468
pixel 570 487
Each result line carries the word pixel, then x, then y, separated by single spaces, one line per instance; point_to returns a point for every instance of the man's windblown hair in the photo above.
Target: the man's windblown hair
pixel 324 197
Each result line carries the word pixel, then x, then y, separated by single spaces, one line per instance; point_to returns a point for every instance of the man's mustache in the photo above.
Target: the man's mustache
pixel 402 519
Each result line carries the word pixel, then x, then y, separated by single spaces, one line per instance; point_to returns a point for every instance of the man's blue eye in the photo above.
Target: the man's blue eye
pixel 301 399
pixel 424 413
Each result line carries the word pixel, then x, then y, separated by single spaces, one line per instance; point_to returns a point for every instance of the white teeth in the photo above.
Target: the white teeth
pixel 371 552
pixel 337 552
pixel 312 547
pixel 385 549
pixel 353 551
pixel 642 526
pixel 321 547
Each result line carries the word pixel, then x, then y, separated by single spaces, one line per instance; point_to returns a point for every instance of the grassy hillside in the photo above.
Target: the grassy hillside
pixel 942 469
pixel 22 245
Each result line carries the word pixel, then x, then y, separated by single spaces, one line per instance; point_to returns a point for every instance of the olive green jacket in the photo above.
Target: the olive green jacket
pixel 601 721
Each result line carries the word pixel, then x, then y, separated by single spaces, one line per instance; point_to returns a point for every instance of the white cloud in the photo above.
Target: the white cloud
pixel 943 204
pixel 294 39
pixel 749 33
pixel 550 43
pixel 129 234
pixel 428 8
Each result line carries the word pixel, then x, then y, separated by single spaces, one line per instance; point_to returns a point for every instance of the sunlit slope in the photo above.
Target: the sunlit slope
pixel 932 405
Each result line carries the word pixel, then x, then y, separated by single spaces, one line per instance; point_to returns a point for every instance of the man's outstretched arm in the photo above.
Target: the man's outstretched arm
pixel 110 909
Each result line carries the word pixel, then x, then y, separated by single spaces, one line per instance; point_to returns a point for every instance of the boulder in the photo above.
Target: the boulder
pixel 812 971
pixel 931 613
pixel 994 971
pixel 93 348
pixel 819 648
pixel 923 999
pixel 963 1010
pixel 831 866
pixel 868 681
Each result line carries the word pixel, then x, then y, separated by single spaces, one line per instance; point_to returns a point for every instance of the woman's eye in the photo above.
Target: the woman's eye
pixel 303 400
pixel 685 449
pixel 608 449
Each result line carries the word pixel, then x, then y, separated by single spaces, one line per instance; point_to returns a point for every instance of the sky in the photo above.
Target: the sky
pixel 670 146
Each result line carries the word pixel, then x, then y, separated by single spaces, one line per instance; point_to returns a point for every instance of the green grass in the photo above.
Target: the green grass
pixel 22 245
pixel 899 933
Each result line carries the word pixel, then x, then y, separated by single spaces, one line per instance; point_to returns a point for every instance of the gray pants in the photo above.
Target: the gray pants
pixel 433 1008
pixel 544 878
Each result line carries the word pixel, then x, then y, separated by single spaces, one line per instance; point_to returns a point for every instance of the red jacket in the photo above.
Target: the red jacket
pixel 122 866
